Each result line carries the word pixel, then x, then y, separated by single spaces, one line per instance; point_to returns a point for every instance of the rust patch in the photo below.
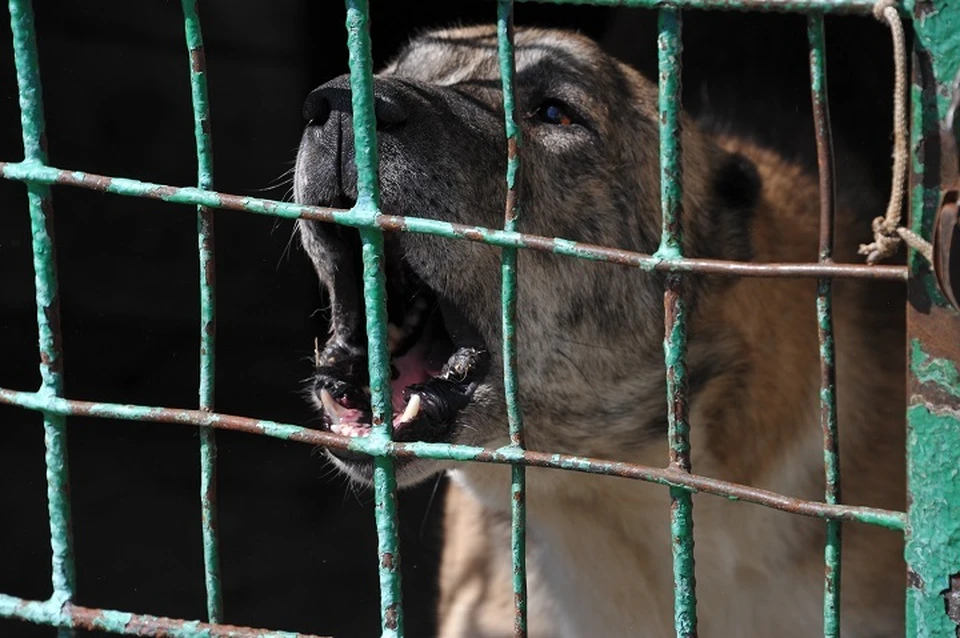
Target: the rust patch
pixel 937 333
pixel 914 580
pixel 538 243
pixel 390 616
pixel 165 191
pixel 387 562
pixel 951 600
pixel 392 223
pixel 471 233
pixel 197 59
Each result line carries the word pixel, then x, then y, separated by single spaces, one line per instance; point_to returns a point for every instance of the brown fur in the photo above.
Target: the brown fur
pixel 590 355
pixel 747 424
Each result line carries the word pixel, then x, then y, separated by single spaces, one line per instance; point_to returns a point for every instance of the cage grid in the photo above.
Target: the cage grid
pixel 932 531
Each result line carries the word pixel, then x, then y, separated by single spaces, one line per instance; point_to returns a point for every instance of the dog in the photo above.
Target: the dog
pixel 590 347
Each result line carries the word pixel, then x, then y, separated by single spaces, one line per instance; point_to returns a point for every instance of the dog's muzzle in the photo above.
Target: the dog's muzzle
pixel 437 357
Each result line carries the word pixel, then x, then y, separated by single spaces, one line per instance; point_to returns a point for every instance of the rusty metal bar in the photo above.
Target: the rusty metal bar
pixel 508 270
pixel 72 616
pixel 194 196
pixel 670 49
pixel 444 451
pixel 828 371
pixel 861 7
pixel 208 444
pixel 48 301
pixel 375 297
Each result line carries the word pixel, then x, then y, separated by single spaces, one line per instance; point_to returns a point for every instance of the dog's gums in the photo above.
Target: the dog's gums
pixel 436 362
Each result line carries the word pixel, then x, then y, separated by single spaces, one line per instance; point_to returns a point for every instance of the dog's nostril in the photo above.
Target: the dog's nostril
pixel 316 109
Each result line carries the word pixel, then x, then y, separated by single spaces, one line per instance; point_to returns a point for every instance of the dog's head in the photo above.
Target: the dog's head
pixel 589 334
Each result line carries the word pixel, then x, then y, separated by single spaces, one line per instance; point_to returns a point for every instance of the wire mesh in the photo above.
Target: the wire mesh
pixel 50 400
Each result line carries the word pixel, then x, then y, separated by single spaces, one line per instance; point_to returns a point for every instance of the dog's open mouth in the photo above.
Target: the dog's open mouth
pixel 437 360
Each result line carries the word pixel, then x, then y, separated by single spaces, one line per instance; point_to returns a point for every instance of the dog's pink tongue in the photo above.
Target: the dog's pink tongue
pixel 412 369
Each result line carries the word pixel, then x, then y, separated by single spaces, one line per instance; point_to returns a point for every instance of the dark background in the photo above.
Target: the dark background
pixel 298 544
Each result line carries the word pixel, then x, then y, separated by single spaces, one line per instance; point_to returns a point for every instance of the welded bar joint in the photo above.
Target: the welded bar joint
pixel 208 444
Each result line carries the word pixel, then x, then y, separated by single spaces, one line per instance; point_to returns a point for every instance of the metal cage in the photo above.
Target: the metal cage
pixel 931 524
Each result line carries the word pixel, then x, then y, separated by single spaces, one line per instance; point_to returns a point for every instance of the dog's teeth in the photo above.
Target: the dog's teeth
pixel 331 407
pixel 412 409
pixel 335 428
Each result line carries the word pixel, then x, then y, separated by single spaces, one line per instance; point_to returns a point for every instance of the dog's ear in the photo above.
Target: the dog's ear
pixel 734 193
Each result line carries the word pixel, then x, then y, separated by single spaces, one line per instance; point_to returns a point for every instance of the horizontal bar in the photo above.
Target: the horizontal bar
pixel 861 7
pixel 361 218
pixel 120 622
pixel 448 452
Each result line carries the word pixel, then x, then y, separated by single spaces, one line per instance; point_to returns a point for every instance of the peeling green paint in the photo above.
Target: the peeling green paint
pixel 375 297
pixel 932 547
pixel 508 295
pixel 669 48
pixel 48 303
pixel 205 248
pixel 863 7
pixel 940 372
pixel 121 622
pixel 365 217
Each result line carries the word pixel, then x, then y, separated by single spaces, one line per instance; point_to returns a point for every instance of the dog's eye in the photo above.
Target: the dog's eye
pixel 554 112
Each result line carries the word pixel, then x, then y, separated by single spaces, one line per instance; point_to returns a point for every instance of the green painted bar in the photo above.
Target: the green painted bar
pixel 669 48
pixel 447 452
pixel 208 443
pixel 122 622
pixel 375 296
pixel 863 7
pixel 932 548
pixel 508 270
pixel 360 218
pixel 828 390
pixel 48 304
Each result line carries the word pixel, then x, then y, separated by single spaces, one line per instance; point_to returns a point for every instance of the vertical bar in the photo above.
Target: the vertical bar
pixel 932 549
pixel 508 270
pixel 208 443
pixel 669 47
pixel 828 375
pixel 48 302
pixel 374 290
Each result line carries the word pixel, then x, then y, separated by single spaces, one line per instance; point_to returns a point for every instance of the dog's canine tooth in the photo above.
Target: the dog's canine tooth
pixel 331 407
pixel 412 409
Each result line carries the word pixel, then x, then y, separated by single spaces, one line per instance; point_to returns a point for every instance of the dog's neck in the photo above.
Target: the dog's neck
pixel 601 545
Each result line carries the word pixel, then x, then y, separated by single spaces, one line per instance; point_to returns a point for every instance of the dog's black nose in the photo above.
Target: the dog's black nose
pixel 390 103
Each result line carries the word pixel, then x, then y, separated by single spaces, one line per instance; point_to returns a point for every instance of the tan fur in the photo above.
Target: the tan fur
pixel 756 424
